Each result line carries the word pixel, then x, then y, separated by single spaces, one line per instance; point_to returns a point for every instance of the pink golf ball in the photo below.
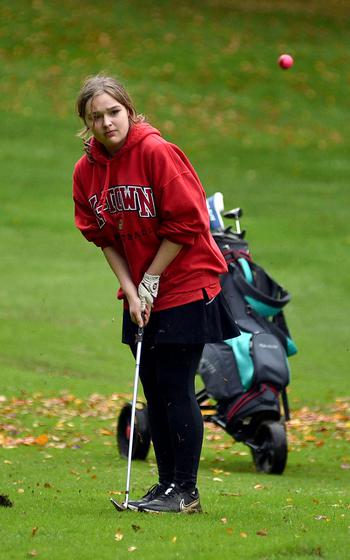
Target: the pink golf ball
pixel 285 61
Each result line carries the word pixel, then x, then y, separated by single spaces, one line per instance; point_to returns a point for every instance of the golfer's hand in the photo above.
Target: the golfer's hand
pixel 138 316
pixel 148 290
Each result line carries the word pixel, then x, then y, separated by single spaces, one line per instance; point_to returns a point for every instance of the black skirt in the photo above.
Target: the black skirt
pixel 197 322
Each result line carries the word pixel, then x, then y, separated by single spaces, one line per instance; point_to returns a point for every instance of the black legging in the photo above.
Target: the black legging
pixel 167 373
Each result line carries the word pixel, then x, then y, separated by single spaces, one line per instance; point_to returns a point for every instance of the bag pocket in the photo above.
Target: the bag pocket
pixel 270 360
pixel 218 370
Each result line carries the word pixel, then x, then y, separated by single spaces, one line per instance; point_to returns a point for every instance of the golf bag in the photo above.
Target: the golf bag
pixel 248 375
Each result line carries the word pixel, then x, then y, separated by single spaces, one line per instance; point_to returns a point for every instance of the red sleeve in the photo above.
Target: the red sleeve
pixel 85 219
pixel 181 198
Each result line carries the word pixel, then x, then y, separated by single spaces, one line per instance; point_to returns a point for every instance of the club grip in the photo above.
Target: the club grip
pixel 139 335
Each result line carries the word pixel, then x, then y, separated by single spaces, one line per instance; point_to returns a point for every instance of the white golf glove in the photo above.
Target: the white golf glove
pixel 148 290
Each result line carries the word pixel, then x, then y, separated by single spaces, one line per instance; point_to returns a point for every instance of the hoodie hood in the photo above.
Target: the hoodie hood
pixel 96 152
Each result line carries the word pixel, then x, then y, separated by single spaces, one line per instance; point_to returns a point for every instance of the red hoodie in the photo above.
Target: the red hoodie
pixel 146 192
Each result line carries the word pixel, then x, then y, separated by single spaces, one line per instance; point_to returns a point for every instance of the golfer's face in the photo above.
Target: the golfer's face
pixel 108 121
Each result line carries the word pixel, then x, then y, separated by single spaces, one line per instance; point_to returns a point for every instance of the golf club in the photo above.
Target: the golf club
pixel 124 505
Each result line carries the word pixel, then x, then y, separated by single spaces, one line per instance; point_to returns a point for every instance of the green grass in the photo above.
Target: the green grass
pixel 275 143
pixel 61 491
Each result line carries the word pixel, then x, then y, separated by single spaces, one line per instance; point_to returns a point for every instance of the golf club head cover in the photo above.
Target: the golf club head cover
pixel 148 289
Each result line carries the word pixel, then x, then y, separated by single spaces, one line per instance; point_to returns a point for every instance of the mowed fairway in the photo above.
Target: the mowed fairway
pixel 275 143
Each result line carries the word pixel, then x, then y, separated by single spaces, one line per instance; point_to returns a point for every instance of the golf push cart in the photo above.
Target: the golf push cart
pixel 245 378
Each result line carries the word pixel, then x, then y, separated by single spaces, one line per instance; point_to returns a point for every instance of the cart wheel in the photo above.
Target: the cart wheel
pixel 271 455
pixel 142 436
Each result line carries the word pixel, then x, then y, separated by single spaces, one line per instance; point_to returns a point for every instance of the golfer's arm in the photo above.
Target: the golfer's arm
pixel 165 255
pixel 120 268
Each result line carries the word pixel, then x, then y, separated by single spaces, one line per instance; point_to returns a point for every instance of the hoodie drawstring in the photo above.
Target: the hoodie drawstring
pixel 105 190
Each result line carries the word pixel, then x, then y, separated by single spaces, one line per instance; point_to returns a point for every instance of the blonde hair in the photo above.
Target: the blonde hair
pixel 95 85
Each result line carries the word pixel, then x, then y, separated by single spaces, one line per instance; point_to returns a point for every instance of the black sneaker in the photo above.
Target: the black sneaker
pixel 174 500
pixel 154 492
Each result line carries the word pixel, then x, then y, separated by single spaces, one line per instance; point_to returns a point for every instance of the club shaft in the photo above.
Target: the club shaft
pixel 132 421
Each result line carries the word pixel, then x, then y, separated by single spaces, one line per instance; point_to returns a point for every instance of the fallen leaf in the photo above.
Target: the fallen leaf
pixel 136 528
pixel 262 533
pixel 310 438
pixel 213 437
pixel 118 536
pixel 42 439
pixel 223 520
pixel 173 540
pixel 229 530
pixel 20 490
pixel 243 535
pixel 132 548
pixel 105 432
pixel 34 531
pixel 240 453
pixel 33 553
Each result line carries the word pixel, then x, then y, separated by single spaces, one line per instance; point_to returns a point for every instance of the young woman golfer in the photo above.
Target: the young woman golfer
pixel 139 199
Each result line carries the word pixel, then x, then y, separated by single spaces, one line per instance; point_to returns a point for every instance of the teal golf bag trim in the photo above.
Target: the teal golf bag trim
pixel 291 347
pixel 259 290
pixel 241 348
pixel 247 271
pixel 261 308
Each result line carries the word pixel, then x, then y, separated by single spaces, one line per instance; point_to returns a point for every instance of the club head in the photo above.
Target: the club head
pixel 119 507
